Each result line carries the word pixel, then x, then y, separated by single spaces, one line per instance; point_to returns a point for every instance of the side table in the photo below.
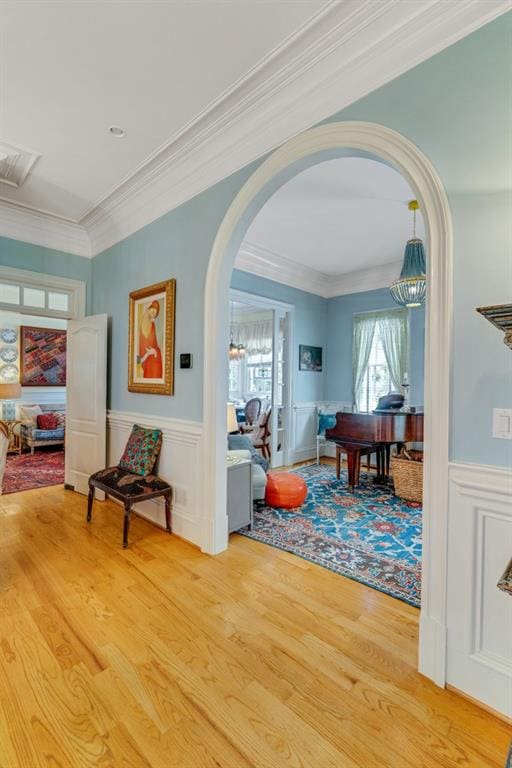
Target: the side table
pixel 239 493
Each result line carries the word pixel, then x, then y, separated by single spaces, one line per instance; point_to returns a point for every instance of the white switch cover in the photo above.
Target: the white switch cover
pixel 502 423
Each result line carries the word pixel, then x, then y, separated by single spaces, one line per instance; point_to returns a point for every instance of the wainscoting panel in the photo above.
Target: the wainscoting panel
pixel 180 465
pixel 305 428
pixel 479 615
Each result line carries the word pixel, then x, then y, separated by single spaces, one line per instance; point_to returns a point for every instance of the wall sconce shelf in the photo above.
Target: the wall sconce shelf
pixel 500 316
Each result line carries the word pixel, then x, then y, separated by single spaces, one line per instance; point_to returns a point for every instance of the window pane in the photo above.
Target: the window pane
pixel 33 297
pixel 58 301
pixel 9 294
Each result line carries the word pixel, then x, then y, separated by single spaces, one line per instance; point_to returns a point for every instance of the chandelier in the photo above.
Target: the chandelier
pixel 411 287
pixel 235 351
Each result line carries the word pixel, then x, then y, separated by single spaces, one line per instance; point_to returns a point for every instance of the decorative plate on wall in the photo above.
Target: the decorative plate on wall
pixel 8 354
pixel 8 335
pixel 9 373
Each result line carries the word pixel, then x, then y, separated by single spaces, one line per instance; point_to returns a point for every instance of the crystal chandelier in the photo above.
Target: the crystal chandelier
pixel 411 287
pixel 235 351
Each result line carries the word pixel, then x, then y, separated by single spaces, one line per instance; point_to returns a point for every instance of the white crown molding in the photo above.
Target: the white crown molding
pixel 347 51
pixel 41 228
pixel 343 53
pixel 263 262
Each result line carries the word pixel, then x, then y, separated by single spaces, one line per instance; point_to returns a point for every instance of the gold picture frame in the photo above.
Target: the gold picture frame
pixel 151 339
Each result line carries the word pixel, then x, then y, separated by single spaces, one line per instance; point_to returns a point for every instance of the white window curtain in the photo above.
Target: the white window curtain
pixel 364 331
pixel 256 336
pixel 392 328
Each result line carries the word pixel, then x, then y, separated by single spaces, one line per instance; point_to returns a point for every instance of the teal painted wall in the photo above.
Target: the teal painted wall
pixel 176 245
pixel 340 313
pixel 310 327
pixel 15 253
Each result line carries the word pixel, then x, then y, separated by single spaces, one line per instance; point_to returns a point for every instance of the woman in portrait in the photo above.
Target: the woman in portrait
pixel 150 356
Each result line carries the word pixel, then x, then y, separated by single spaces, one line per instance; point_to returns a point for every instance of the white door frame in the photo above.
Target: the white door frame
pixel 263 302
pixel 306 149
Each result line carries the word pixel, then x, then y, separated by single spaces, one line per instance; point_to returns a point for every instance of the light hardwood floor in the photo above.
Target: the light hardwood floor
pixel 161 657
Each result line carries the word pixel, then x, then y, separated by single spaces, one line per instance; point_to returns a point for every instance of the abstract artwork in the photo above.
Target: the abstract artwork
pixel 310 358
pixel 151 339
pixel 43 357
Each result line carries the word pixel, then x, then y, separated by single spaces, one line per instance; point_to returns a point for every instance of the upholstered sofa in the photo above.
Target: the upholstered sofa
pixel 32 436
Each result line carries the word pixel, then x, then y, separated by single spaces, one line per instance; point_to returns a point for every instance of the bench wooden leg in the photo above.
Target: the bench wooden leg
pixel 90 500
pixel 168 513
pixel 126 526
pixel 338 461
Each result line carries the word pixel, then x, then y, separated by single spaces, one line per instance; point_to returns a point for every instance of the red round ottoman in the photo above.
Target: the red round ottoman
pixel 284 489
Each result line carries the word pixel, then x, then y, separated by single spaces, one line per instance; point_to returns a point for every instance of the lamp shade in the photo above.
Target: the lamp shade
pixel 232 422
pixel 10 390
pixel 410 289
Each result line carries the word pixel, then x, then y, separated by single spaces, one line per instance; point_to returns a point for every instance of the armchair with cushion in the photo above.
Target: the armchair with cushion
pixel 241 446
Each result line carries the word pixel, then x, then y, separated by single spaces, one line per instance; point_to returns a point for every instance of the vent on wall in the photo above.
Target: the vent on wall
pixel 15 163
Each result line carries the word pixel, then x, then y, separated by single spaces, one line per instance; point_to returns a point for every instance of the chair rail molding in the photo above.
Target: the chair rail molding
pixel 179 464
pixel 344 52
pixel 309 148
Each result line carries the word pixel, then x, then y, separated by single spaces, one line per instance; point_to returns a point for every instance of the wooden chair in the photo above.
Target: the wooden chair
pixel 130 488
pixel 252 414
pixel 262 440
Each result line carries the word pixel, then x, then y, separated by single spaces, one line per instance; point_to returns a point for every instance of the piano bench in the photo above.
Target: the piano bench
pixel 355 450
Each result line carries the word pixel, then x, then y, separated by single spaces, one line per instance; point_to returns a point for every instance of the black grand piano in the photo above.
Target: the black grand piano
pixel 362 434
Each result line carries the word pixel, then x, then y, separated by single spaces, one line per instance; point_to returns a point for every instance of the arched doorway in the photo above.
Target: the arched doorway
pixel 313 146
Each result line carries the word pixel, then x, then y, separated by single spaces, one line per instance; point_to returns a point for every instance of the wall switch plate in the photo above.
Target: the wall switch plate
pixel 186 360
pixel 502 423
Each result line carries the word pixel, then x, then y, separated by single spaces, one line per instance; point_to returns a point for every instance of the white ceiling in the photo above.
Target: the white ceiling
pixel 340 216
pixel 201 87
pixel 72 69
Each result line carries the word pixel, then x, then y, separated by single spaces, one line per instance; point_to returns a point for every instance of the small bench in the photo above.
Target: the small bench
pixel 355 450
pixel 129 489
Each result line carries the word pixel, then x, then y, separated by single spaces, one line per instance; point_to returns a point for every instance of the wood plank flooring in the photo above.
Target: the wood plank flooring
pixel 161 657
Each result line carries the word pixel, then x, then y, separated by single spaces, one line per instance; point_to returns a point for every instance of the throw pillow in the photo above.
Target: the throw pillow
pixel 326 421
pixel 141 451
pixel 61 419
pixel 47 421
pixel 30 413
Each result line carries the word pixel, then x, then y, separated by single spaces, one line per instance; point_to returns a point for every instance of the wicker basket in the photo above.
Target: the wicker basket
pixel 407 470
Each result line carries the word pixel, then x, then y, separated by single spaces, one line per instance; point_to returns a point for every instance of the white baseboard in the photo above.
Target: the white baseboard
pixel 179 464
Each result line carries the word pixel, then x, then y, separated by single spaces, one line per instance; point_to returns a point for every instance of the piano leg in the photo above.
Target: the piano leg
pixel 351 465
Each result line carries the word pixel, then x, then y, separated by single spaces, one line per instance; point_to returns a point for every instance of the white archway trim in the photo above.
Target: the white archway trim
pixel 417 169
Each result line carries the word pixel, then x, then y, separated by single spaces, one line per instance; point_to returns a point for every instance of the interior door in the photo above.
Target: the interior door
pixel 86 412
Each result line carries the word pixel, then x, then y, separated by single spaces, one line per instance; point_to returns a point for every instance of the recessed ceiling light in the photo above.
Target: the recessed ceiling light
pixel 116 131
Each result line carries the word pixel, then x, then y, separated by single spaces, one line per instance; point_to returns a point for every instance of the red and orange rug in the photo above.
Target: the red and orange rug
pixel 33 470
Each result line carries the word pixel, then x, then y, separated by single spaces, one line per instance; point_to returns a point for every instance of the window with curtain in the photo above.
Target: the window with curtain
pixel 252 375
pixel 380 355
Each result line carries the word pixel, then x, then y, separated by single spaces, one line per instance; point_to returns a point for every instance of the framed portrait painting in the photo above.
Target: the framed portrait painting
pixel 43 357
pixel 151 339
pixel 310 358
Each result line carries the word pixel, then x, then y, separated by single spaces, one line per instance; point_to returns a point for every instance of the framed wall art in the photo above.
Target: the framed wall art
pixel 151 339
pixel 310 358
pixel 42 357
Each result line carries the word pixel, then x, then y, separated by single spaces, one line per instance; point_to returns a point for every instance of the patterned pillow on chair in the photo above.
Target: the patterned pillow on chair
pixel 141 451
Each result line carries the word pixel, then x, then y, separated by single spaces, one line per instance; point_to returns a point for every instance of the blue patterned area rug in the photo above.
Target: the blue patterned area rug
pixel 369 535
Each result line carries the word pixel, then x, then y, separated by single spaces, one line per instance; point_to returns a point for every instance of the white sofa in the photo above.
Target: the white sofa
pixel 259 476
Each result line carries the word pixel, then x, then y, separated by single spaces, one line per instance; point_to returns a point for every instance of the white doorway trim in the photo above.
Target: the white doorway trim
pixel 305 150
pixel 255 300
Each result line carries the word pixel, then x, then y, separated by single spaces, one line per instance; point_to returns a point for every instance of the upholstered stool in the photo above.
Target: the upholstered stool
pixel 284 489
